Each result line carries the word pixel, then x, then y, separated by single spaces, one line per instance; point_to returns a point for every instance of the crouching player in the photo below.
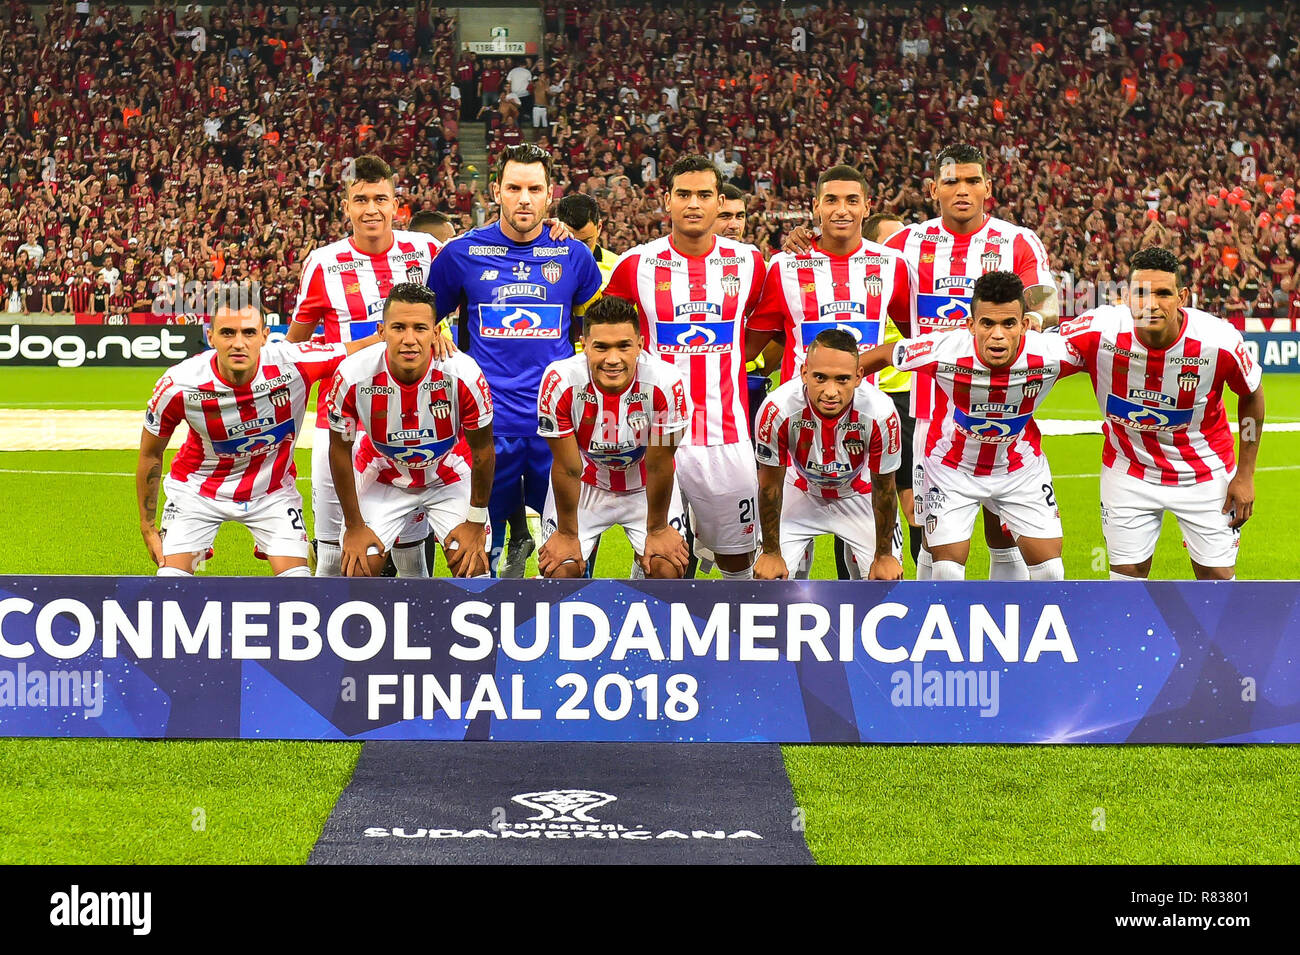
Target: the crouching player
pixel 613 415
pixel 410 411
pixel 244 403
pixel 831 439
pixel 984 448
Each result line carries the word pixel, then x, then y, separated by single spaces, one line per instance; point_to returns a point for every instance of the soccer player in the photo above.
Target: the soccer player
pixel 1159 369
pixel 581 213
pixel 833 441
pixel 414 409
pixel 517 288
pixel 244 402
pixel 613 416
pixel 693 291
pixel 343 288
pixel 731 219
pixel 985 450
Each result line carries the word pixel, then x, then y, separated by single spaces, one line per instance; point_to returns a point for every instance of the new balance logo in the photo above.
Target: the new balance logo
pixel 489 275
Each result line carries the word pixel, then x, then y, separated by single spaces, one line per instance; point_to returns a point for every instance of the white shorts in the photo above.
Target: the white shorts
pixel 720 483
pixel 599 510
pixel 919 432
pixel 805 516
pixel 327 514
pixel 190 521
pixel 1025 500
pixel 388 510
pixel 1133 510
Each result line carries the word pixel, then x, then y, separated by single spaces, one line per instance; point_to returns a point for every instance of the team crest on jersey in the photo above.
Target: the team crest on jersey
pixel 855 446
pixel 280 397
pixel 991 261
pixel 931 524
pixel 522 271
pixel 874 285
pixel 440 407
pixel 1188 381
pixel 1033 388
pixel 415 273
pixel 637 420
pixel 551 271
pixel 731 285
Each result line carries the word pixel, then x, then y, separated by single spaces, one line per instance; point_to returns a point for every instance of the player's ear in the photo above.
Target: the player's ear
pixel 1183 294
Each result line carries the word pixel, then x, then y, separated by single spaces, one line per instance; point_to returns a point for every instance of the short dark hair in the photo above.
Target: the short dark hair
pixel 411 293
pixel 731 192
pixel 578 210
pixel 610 310
pixel 1155 259
pixel 527 154
pixel 838 339
pixel 427 218
pixel 692 162
pixel 963 154
pixel 998 288
pixel 871 225
pixel 841 173
pixel 370 169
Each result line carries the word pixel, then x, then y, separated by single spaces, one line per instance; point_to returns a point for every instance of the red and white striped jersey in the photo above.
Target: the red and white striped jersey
pixel 241 439
pixel 612 431
pixel 988 426
pixel 947 265
pixel 806 294
pixel 829 457
pixel 342 287
pixel 1164 417
pixel 412 430
pixel 693 311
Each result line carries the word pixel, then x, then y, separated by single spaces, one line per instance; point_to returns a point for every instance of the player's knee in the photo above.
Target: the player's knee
pixel 1214 573
pixel 661 569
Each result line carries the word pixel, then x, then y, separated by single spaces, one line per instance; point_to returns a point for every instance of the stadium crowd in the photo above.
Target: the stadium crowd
pixel 208 142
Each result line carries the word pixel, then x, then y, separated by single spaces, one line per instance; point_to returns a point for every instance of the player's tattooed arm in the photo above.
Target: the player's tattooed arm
pixel 148 473
pixel 561 555
pixel 358 539
pixel 466 543
pixel 884 502
pixel 1044 302
pixel 661 540
pixel 770 564
pixel 1241 490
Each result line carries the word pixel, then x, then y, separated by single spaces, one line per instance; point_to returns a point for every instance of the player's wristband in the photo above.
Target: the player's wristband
pixel 477 515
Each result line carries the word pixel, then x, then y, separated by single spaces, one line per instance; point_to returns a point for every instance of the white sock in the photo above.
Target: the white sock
pixel 1118 576
pixel 410 561
pixel 805 563
pixel 746 574
pixel 299 571
pixel 329 559
pixel 947 570
pixel 924 565
pixel 1053 569
pixel 173 572
pixel 1007 563
pixel 638 572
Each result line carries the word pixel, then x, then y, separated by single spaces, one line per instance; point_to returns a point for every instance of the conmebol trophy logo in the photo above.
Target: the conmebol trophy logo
pixel 564 805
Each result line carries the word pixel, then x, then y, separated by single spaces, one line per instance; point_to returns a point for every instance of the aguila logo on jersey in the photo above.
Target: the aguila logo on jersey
pixel 993 407
pixel 522 271
pixel 840 311
pixel 242 443
pixel 874 285
pixel 1142 394
pixel 618 457
pixel 991 261
pixel 1140 417
pixel 829 473
pixel 1188 381
pixel 519 321
pixel 552 270
pixel 697 338
pixel 730 285
pixel 993 430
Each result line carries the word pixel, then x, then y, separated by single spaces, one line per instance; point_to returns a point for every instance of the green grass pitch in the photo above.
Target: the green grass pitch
pixel 129 801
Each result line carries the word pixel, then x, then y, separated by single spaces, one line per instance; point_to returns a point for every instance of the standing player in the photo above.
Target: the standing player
pixel 434 223
pixel 985 450
pixel 244 402
pixel 581 213
pixel 414 409
pixel 1159 369
pixel 831 439
pixel 613 416
pixel 517 288
pixel 343 288
pixel 693 291
pixel 731 219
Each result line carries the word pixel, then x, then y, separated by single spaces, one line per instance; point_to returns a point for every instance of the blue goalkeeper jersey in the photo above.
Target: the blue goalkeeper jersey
pixel 516 302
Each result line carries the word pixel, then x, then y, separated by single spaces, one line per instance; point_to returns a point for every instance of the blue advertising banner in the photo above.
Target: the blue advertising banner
pixel 798 661
pixel 1275 351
